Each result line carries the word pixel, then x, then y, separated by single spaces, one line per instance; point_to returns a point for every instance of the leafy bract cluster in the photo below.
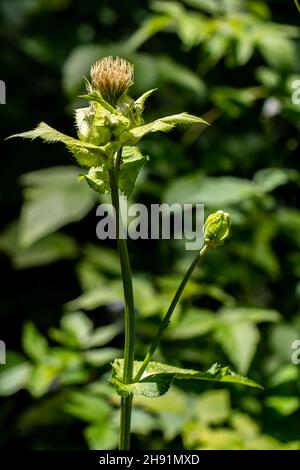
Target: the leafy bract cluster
pixel 104 130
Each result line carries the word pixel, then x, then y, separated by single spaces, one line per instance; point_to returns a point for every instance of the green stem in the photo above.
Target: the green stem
pixel 126 403
pixel 166 320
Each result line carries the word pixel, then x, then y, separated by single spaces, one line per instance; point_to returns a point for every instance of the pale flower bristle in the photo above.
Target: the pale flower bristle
pixel 112 76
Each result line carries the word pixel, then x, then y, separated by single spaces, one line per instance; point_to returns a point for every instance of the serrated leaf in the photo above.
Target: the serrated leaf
pixel 86 154
pixel 139 104
pixel 166 124
pixel 155 126
pixel 183 119
pixel 132 162
pixel 157 378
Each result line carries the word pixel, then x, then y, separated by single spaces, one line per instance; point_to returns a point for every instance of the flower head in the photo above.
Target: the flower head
pixel 216 228
pixel 112 76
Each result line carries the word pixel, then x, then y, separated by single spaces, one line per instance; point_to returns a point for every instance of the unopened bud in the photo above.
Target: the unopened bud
pixel 216 228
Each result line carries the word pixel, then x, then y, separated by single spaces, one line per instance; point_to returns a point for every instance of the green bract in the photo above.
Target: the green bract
pixel 216 228
pixel 103 130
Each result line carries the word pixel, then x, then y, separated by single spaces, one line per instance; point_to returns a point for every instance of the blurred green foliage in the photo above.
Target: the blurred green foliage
pixel 234 63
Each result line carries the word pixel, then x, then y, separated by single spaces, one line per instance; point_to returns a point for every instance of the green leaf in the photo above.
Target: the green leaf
pixel 34 344
pixel 237 334
pixel 148 28
pixel 132 162
pixel 98 297
pixel 53 198
pixel 155 126
pixel 158 377
pixel 173 72
pixel 15 378
pixel 213 192
pixel 102 435
pixel 255 315
pixel 101 357
pixel 278 51
pixel 98 98
pixel 87 407
pixel 239 341
pixel 194 322
pixel 213 407
pixel 183 119
pixel 285 405
pixel 139 104
pixel 271 178
pixel 47 250
pixel 104 334
pixel 148 301
pixel 86 154
pixel 76 330
pixel 166 124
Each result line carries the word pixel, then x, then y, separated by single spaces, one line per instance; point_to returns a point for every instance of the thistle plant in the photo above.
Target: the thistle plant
pixel 108 131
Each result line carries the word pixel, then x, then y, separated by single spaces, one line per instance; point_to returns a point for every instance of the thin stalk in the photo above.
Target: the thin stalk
pixel 126 403
pixel 166 320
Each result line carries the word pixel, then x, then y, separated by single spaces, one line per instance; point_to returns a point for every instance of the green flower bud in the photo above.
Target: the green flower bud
pixel 90 126
pixel 216 228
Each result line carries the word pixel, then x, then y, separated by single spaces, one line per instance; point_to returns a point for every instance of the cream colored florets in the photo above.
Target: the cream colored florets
pixel 112 76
